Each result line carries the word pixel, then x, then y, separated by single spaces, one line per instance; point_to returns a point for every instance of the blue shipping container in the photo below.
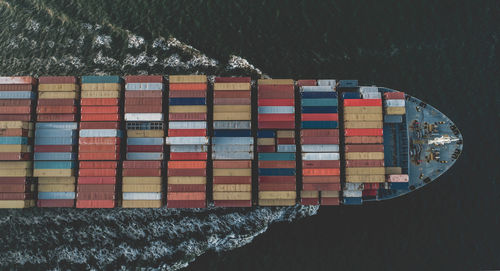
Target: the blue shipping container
pixel 315 95
pixel 144 141
pixel 57 125
pixel 319 109
pixel 319 125
pixel 266 134
pixel 16 95
pixel 55 141
pixel 101 79
pixel 319 102
pixel 232 133
pixel 277 156
pixel 56 195
pixel 353 201
pixel 54 156
pixel 54 165
pixel 187 101
pixel 351 95
pixel 54 133
pixel 276 171
pixel 13 140
pixel 348 83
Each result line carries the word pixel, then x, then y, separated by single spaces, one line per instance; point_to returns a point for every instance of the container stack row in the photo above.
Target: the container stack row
pixel 364 149
pixel 17 187
pixel 319 138
pixel 394 103
pixel 142 182
pixel 188 140
pixel 99 143
pixel 232 142
pixel 56 138
pixel 276 142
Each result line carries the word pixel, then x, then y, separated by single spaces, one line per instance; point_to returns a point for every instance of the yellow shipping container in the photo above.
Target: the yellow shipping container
pixel 15 148
pixel 277 194
pixel 285 134
pixel 233 116
pixel 363 124
pixel 232 196
pixel 362 110
pixel 53 172
pixel 141 180
pixel 102 87
pixel 16 204
pixel 365 178
pixel 393 170
pixel 362 117
pixel 309 194
pixel 365 170
pixel 16 164
pixel 187 109
pixel 275 82
pixel 141 203
pixel 58 87
pixel 265 141
pixel 395 110
pixel 58 95
pixel 16 172
pixel 187 180
pixel 56 180
pixel 100 94
pixel 141 188
pixel 329 194
pixel 145 133
pixel 276 202
pixel 187 78
pixel 232 86
pixel 56 188
pixel 232 188
pixel 364 156
pixel 232 108
pixel 16 125
pixel 232 172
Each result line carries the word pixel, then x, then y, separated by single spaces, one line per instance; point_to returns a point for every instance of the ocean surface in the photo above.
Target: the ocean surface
pixel 445 53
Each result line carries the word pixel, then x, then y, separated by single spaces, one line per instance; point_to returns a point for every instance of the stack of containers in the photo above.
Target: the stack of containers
pixel 100 138
pixel 16 131
pixel 364 149
pixel 187 137
pixel 394 103
pixel 276 147
pixel 142 172
pixel 55 141
pixel 320 144
pixel 232 142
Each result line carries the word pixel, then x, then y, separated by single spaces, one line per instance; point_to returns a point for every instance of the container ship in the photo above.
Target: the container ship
pixel 192 141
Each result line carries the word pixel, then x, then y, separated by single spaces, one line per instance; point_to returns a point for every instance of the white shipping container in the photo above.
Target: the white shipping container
pixel 186 140
pixel 286 148
pixel 100 133
pixel 236 124
pixel 352 193
pixel 232 148
pixel 320 148
pixel 366 89
pixel 187 125
pixel 232 140
pixel 276 109
pixel 395 103
pixel 144 86
pixel 320 156
pixel 188 148
pixel 141 196
pixel 354 186
pixel 232 155
pixel 371 95
pixel 317 89
pixel 327 82
pixel 143 116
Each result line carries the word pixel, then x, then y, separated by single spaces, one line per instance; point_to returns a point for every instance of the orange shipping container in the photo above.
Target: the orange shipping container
pixel 186 196
pixel 187 164
pixel 232 164
pixel 321 171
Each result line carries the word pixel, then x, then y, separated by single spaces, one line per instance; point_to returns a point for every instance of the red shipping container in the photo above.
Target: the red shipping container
pixel 363 132
pixel 11 87
pixel 186 204
pixel 56 117
pixel 15 117
pixel 321 186
pixel 276 179
pixel 96 180
pixel 272 88
pixel 187 132
pixel 187 94
pixel 266 148
pixel 14 132
pixel 232 79
pixel 100 188
pixel 99 101
pixel 99 156
pixel 276 117
pixel 330 201
pixel 276 124
pixel 143 101
pixel 143 108
pixel 397 178
pixel 321 164
pixel 145 148
pixel 14 180
pixel 364 148
pixel 232 101
pixel 364 140
pixel 15 110
pixel 188 156
pixel 364 163
pixel 57 80
pixel 276 164
pixel 99 148
pixel 232 180
pixel 232 203
pixel 221 94
pixel 320 171
pixel 144 94
pixel 186 188
pixel 95 203
pixel 46 109
pixel 14 188
pixel 16 196
pixel 276 102
pixel 100 117
pixel 309 201
pixel 306 82
pixel 319 140
pixel 188 86
pixel 17 80
pixel 370 193
pixel 277 187
pixel 187 116
pixel 321 179
pixel 96 172
pixel 285 141
pixel 319 132
pixel 276 94
pixel 54 148
pixel 186 196
pixel 363 102
pixel 56 203
pixel 99 140
pixel 187 164
pixel 144 79
pixel 371 186
pixel 99 109
pixel 142 172
pixel 100 164
pixel 394 95
pixel 187 172
pixel 99 125
pixel 320 117
pixel 232 164
pixel 14 156
pixel 142 164
pixel 16 102
pixel 56 102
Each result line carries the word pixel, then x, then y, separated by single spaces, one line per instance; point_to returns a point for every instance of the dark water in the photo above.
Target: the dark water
pixel 444 53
